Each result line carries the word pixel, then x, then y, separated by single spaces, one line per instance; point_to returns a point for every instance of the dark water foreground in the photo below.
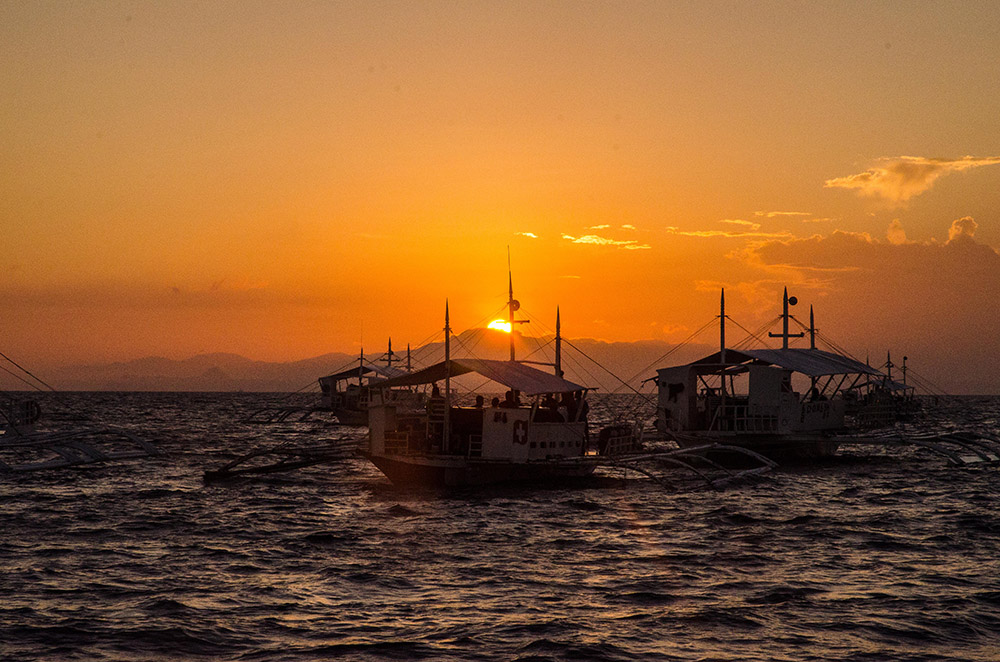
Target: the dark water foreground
pixel 875 556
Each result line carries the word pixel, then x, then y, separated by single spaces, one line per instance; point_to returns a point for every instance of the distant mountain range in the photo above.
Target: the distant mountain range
pixel 585 361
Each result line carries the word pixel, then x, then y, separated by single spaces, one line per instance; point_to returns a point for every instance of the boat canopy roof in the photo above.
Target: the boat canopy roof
pixel 385 372
pixel 811 362
pixel 513 375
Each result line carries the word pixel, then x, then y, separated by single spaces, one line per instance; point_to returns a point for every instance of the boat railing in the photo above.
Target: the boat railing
pixel 397 442
pixel 876 415
pixel 476 445
pixel 740 416
pixel 17 412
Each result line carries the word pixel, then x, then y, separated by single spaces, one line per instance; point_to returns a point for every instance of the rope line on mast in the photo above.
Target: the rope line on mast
pixel 752 335
pixel 28 372
pixel 673 349
pixel 20 378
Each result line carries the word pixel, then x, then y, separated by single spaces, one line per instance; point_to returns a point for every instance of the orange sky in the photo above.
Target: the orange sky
pixel 279 180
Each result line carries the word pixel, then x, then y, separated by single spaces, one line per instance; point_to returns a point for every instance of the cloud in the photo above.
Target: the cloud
pixel 933 261
pixel 934 300
pixel 962 228
pixel 740 221
pixel 669 329
pixel 817 220
pixel 627 244
pixel 772 214
pixel 896 234
pixel 605 226
pixel 729 234
pixel 530 235
pixel 900 178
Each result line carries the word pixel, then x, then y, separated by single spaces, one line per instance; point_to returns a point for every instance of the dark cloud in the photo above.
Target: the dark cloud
pixel 902 177
pixel 936 300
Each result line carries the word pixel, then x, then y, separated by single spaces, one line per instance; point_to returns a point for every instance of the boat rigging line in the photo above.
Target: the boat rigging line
pixel 753 335
pixel 28 372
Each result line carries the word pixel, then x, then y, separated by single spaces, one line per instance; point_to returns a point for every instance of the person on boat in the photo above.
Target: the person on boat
pixel 495 403
pixel 508 401
pixel 517 398
pixel 582 407
pixel 480 401
pixel 567 407
pixel 548 412
pixel 435 404
pixel 815 395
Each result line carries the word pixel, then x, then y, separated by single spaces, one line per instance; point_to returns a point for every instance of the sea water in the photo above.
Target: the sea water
pixel 876 555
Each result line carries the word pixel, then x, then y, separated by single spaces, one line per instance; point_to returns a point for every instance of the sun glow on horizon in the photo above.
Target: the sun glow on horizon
pixel 500 325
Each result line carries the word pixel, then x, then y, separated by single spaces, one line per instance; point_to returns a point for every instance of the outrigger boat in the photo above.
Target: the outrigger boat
pixel 448 445
pixel 347 393
pixel 788 403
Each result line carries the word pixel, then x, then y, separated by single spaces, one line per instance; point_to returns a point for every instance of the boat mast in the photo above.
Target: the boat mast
pixel 812 329
pixel 446 428
pixel 559 371
pixel 722 341
pixel 784 322
pixel 722 326
pixel 812 345
pixel 388 354
pixel 512 305
pixel 408 368
pixel 785 335
pixel 361 366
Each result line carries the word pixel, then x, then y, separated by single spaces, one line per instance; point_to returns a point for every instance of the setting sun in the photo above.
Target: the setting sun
pixel 500 325
pixel 262 201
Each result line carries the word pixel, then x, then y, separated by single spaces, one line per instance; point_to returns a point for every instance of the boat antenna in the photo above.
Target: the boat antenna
pixel 559 370
pixel 904 371
pixel 388 354
pixel 785 335
pixel 446 428
pixel 408 368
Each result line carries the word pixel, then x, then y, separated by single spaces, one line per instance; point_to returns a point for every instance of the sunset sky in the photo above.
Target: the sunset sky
pixel 283 179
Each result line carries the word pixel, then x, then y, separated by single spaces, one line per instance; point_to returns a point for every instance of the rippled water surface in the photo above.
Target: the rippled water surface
pixel 876 555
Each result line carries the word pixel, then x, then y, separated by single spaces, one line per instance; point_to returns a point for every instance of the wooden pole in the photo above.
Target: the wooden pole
pixel 559 370
pixel 446 428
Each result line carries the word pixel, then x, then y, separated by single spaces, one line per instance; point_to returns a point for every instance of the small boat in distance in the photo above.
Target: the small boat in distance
pixel 347 393
pixel 787 403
